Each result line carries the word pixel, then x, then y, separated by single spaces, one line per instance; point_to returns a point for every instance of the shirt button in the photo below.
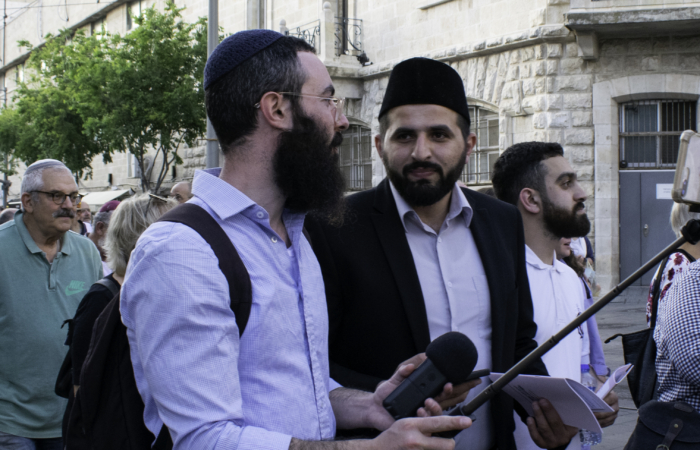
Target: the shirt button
pixel 449 284
pixel 439 239
pixel 273 239
pixel 260 214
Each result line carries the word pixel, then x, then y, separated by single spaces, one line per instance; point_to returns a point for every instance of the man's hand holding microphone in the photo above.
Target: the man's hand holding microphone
pixel 408 407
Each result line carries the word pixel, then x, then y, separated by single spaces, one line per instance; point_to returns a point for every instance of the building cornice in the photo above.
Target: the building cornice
pixel 540 35
pixel 109 7
pixel 636 23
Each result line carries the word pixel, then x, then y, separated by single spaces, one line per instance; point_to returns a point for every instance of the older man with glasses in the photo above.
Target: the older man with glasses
pixel 41 284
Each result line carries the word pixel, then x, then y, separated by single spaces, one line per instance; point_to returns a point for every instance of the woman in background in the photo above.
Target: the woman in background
pixel 678 262
pixel 128 222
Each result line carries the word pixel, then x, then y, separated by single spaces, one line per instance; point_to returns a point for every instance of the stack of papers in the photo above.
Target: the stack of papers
pixel 575 403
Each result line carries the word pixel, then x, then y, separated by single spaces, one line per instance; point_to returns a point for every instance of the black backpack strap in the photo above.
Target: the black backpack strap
pixel 230 262
pixel 111 285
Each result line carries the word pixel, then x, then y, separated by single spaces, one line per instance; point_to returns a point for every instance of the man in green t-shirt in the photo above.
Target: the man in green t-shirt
pixel 44 273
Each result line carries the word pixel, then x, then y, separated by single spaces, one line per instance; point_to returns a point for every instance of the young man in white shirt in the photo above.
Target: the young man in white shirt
pixel 539 181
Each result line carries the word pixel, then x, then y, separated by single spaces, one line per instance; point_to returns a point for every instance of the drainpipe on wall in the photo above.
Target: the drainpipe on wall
pixel 212 42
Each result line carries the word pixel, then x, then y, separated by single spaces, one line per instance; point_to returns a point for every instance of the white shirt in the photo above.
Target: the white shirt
pixel 105 268
pixel 455 292
pixel 578 247
pixel 557 299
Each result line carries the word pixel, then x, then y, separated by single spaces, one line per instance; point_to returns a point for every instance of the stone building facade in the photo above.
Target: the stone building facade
pixel 575 72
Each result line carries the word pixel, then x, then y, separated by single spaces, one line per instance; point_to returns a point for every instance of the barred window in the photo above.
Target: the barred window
pixel 650 132
pixel 356 158
pixel 484 155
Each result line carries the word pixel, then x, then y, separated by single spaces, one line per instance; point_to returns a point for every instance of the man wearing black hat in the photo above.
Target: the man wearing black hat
pixel 418 256
pixel 270 100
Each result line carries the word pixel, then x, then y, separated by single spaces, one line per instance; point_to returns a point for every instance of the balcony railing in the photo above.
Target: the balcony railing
pixel 310 32
pixel 348 36
pixel 333 37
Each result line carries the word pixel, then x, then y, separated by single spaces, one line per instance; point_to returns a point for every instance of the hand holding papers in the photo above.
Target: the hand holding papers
pixel 575 403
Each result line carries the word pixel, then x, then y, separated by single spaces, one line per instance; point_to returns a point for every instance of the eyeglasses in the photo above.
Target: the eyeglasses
pixel 333 102
pixel 59 197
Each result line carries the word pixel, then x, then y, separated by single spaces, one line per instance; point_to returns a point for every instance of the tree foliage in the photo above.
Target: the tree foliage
pixel 51 104
pixel 106 93
pixel 8 140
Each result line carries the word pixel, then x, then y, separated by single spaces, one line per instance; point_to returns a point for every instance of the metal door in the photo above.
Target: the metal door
pixel 645 207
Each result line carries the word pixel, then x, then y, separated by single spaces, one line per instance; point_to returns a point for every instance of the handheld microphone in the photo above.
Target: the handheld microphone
pixel 451 358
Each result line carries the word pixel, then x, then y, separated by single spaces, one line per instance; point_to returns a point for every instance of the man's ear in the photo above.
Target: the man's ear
pixel 530 200
pixel 27 202
pixel 101 228
pixel 470 144
pixel 378 144
pixel 277 112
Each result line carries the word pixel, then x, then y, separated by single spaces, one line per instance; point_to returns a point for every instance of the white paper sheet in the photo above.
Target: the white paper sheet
pixel 574 402
pixel 615 378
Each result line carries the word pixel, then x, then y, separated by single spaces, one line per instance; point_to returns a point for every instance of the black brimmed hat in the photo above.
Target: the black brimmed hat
pixel 423 81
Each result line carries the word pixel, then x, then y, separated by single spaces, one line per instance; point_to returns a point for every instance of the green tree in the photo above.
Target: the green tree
pixel 154 92
pixel 8 141
pixel 9 132
pixel 51 104
pixel 109 93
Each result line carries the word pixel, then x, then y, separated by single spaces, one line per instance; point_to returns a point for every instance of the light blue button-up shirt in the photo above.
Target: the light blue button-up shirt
pixel 456 293
pixel 212 389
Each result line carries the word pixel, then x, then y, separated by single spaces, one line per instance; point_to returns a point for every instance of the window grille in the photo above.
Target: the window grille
pixel 356 158
pixel 650 132
pixel 484 155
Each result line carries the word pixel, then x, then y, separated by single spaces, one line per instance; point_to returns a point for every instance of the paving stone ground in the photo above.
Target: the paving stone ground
pixel 624 315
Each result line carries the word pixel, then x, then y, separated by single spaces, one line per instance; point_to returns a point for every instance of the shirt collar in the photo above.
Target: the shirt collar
pixel 458 205
pixel 226 201
pixel 29 241
pixel 533 260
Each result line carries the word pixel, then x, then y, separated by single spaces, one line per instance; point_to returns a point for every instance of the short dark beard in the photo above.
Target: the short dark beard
pixel 307 170
pixel 422 192
pixel 562 223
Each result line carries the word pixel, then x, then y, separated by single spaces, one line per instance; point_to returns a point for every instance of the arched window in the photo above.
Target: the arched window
pixel 484 155
pixel 356 157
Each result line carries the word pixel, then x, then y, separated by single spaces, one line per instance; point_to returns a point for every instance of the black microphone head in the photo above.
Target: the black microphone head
pixel 454 355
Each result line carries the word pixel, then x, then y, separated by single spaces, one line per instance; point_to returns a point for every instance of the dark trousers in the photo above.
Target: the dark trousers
pixel 11 442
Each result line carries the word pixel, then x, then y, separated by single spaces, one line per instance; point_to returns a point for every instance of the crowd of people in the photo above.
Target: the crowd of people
pixel 346 292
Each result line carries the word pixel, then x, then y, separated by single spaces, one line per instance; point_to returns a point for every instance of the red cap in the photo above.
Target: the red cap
pixel 110 206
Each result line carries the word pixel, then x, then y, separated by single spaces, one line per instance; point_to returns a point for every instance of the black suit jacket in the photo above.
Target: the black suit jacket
pixel 376 310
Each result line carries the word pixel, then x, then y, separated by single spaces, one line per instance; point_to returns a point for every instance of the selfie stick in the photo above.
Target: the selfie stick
pixel 690 232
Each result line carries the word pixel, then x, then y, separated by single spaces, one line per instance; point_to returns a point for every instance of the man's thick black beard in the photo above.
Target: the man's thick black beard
pixel 562 223
pixel 422 193
pixel 307 170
